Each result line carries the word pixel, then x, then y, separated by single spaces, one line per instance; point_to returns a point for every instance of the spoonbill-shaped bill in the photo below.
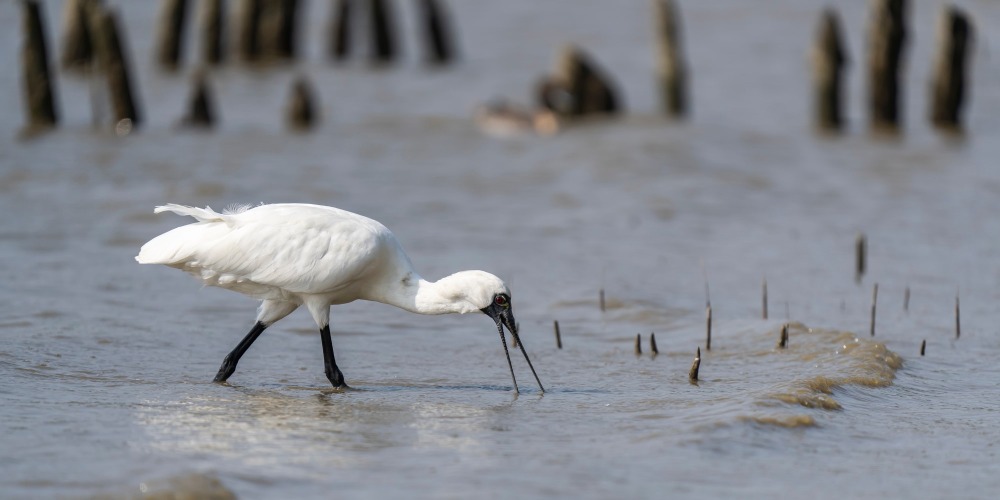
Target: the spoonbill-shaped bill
pixel 288 255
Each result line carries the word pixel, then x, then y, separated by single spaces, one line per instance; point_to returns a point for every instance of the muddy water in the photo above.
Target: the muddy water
pixel 105 365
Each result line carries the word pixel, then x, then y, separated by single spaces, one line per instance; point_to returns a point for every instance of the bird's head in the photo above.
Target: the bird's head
pixel 469 291
pixel 490 295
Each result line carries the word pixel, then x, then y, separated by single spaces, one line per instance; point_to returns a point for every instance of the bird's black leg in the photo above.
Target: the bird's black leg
pixel 229 364
pixel 332 372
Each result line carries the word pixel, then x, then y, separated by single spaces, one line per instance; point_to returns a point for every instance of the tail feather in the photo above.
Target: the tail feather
pixel 201 214
pixel 179 246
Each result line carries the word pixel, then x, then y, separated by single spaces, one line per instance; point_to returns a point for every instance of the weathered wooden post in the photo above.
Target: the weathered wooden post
pixel 170 38
pixel 277 29
pixel 886 39
pixel 301 112
pixel 828 60
pixel 38 83
pixel 213 31
pixel 383 31
pixel 671 64
pixel 110 49
pixel 77 47
pixel 201 110
pixel 288 33
pixel 340 30
pixel 247 42
pixel 437 33
pixel 951 70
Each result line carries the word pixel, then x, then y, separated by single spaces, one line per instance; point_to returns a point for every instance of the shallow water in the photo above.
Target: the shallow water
pixel 106 365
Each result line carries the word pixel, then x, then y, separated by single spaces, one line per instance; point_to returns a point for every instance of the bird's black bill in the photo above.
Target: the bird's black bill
pixel 520 343
pixel 503 316
pixel 507 353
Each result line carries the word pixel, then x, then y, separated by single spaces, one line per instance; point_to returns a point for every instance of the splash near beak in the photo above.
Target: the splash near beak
pixel 505 317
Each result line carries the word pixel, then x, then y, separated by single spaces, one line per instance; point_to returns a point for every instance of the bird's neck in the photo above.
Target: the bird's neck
pixel 428 297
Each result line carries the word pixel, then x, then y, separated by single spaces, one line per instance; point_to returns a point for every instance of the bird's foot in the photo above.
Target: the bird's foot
pixel 336 378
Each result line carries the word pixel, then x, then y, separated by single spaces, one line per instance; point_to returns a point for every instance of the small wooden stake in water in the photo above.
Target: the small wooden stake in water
pixel 763 301
pixel 638 344
pixel 783 342
pixel 652 344
pixel 555 324
pixel 958 319
pixel 693 374
pixel 874 303
pixel 860 256
pixel 708 328
pixel 906 299
pixel 601 296
pixel 923 346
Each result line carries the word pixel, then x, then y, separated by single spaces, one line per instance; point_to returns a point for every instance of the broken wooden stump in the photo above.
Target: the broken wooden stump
pixel 340 30
pixel 277 27
pixel 170 33
pixel 886 43
pixel 828 61
pixel 248 27
pixel 951 69
pixel 213 47
pixel 383 32
pixel 39 95
pixel 695 366
pixel 301 113
pixel 110 49
pixel 578 88
pixel 201 108
pixel 77 42
pixel 439 45
pixel 671 65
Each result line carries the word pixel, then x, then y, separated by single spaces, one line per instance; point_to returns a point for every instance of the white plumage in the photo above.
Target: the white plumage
pixel 289 255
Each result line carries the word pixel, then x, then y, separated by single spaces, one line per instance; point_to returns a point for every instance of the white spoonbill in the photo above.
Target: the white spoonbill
pixel 292 254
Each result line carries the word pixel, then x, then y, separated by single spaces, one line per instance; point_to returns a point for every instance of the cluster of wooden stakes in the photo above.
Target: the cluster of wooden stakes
pixel 266 32
pixel 861 251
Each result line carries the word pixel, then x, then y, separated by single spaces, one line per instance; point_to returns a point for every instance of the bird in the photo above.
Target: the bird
pixel 292 254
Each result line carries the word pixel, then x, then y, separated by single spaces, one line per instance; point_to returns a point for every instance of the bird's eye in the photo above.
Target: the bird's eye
pixel 501 300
